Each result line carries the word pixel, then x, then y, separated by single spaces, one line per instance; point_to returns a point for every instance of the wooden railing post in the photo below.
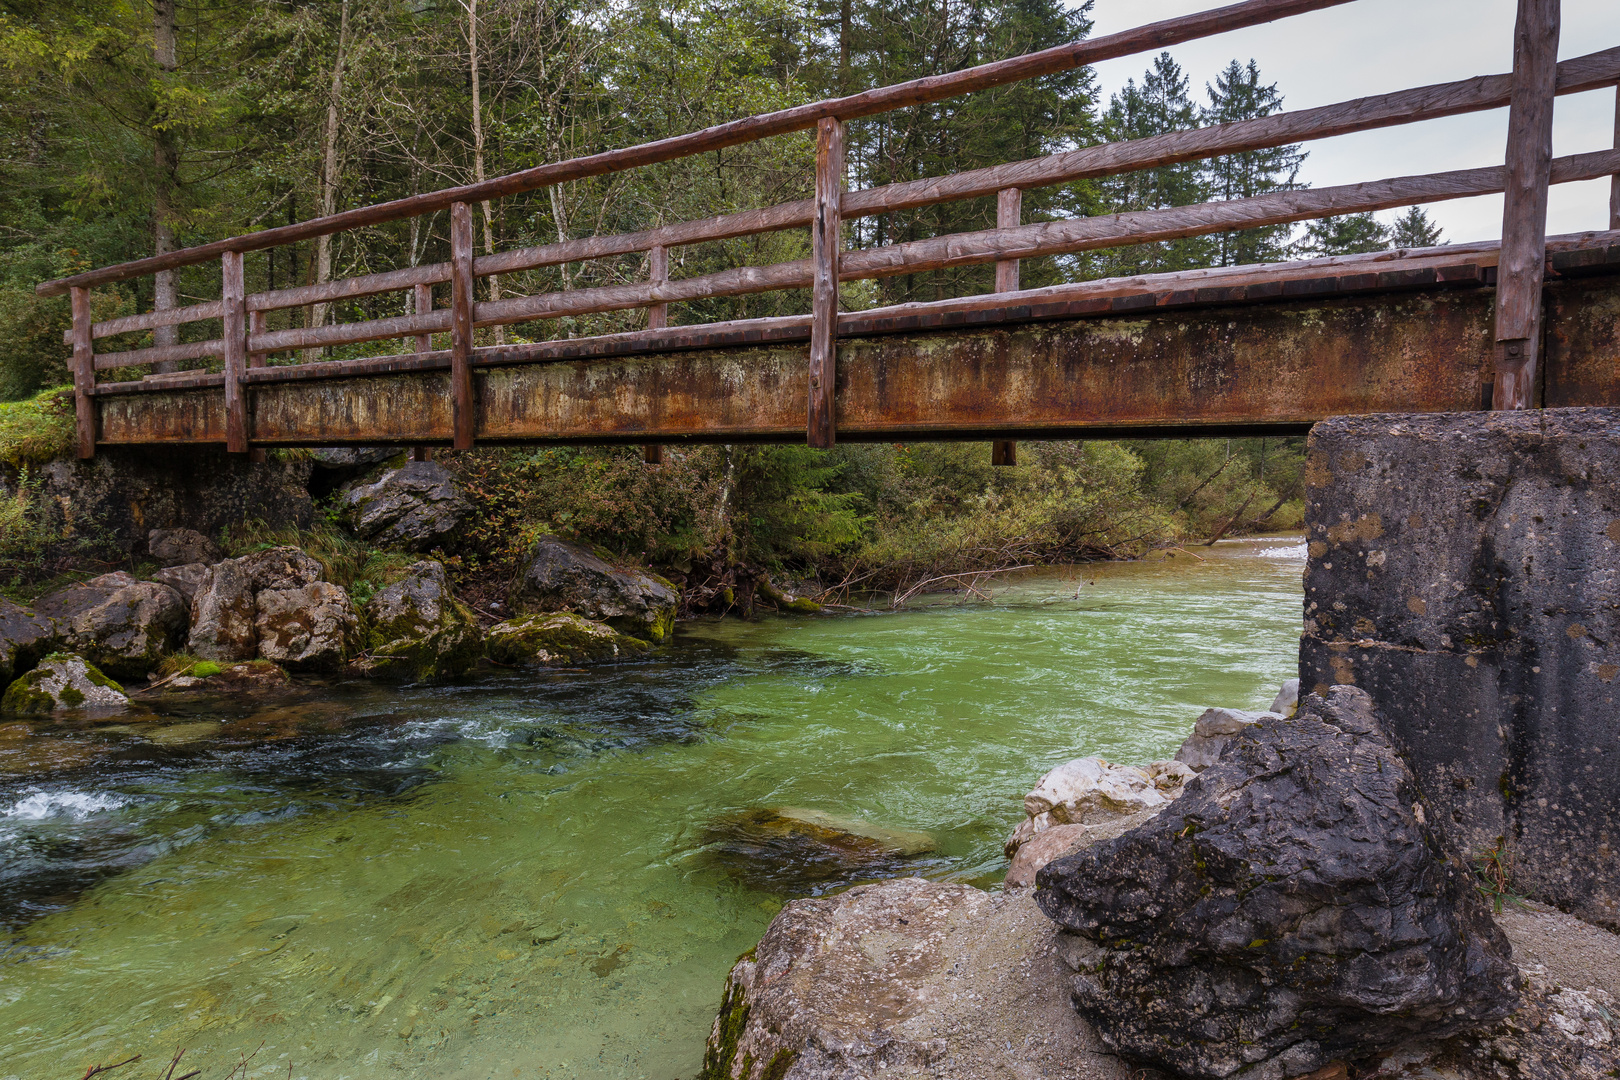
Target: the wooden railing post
pixel 657 319
pixel 1523 263
pixel 84 373
pixel 233 318
pixel 1614 181
pixel 424 343
pixel 825 242
pixel 1009 215
pixel 461 325
pixel 255 323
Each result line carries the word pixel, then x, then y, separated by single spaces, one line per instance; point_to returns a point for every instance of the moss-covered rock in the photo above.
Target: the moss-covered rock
pixel 121 625
pixel 562 576
pixel 796 605
pixel 61 682
pixel 416 629
pixel 560 638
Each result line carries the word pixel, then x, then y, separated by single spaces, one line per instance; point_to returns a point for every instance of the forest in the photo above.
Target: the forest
pixel 134 127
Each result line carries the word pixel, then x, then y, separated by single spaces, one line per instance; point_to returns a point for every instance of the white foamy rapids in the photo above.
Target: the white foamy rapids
pixel 72 805
pixel 1283 551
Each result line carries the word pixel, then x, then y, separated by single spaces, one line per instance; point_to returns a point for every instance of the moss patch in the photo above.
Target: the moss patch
pixel 37 429
pixel 722 1049
pixel 558 638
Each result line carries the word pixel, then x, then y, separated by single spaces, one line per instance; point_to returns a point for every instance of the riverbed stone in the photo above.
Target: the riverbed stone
pixel 25 637
pixel 176 547
pixel 906 978
pixel 416 629
pixel 1212 731
pixel 312 626
pixel 1294 907
pixel 796 850
pixel 118 623
pixel 1287 699
pixel 560 638
pixel 416 506
pixel 183 579
pixel 63 682
pixel 1463 569
pixel 567 577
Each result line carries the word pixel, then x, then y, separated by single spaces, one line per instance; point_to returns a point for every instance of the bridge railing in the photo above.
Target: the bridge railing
pixel 245 344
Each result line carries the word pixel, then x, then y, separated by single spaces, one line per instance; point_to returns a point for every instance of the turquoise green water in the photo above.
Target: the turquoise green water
pixel 518 877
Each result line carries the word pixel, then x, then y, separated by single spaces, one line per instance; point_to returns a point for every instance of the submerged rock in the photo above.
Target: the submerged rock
pixel 906 978
pixel 1292 908
pixel 558 638
pixel 794 850
pixel 25 637
pixel 118 623
pixel 63 682
pixel 415 628
pixel 253 675
pixel 1213 731
pixel 312 626
pixel 416 506
pixel 566 577
pixel 176 547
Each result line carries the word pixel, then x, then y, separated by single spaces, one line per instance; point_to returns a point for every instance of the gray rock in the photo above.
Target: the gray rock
pixel 1057 841
pixel 118 623
pixel 416 506
pixel 182 579
pixel 1290 909
pixel 558 638
pixel 904 979
pixel 25 637
pixel 1287 699
pixel 64 682
pixel 283 567
pixel 222 614
pixel 566 577
pixel 416 629
pixel 312 626
pixel 176 547
pixel 353 457
pixel 1211 732
pixel 1463 570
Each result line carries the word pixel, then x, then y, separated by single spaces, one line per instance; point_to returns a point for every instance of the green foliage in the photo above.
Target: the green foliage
pixel 341 557
pixel 1348 234
pixel 37 430
pixel 1413 229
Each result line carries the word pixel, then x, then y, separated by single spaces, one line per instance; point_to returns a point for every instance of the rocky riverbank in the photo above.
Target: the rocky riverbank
pixel 1287 909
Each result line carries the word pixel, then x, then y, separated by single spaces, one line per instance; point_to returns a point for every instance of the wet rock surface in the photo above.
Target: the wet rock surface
pixel 416 506
pixel 797 851
pixel 117 622
pixel 559 638
pixel 1292 908
pixel 906 978
pixel 1463 570
pixel 566 577
pixel 416 629
pixel 176 547
pixel 63 682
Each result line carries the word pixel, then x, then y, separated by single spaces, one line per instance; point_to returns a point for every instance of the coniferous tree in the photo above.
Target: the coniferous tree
pixel 1239 94
pixel 1347 234
pixel 1413 229
pixel 1159 105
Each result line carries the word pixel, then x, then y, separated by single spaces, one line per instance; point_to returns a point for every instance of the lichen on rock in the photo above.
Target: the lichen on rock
pixel 62 682
pixel 566 577
pixel 311 626
pixel 559 638
pixel 416 629
pixel 415 506
pixel 117 622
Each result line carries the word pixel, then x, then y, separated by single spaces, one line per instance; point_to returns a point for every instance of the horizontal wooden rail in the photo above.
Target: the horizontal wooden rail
pixel 884 99
pixel 158 354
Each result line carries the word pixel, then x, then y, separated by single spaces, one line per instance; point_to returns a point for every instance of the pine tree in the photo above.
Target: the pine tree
pixel 1413 229
pixel 1160 104
pixel 1348 234
pixel 1238 94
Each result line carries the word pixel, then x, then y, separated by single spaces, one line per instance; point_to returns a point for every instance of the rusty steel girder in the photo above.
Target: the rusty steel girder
pixel 1240 368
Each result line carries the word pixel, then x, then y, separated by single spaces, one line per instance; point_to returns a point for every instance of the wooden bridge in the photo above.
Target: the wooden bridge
pixel 1522 322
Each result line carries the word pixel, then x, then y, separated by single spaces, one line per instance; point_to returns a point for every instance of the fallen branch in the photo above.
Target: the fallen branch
pixel 975 574
pixel 97 1070
pixel 1211 541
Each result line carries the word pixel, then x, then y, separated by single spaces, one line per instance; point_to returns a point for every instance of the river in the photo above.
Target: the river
pixel 522 876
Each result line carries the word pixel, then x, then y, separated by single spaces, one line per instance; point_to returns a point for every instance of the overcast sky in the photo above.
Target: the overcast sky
pixel 1376 46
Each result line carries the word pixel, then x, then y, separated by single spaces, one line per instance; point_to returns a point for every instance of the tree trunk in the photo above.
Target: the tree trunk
pixel 166 164
pixel 478 153
pixel 329 175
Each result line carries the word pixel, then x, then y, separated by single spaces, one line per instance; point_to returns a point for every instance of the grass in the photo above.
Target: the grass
pixel 344 560
pixel 37 429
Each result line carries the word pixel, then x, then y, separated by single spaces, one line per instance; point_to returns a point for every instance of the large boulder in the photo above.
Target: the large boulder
pixel 176 547
pixel 416 506
pixel 25 637
pixel 117 622
pixel 310 626
pixel 222 613
pixel 905 978
pixel 559 638
pixel 416 629
pixel 1292 908
pixel 63 682
pixel 284 567
pixel 1214 729
pixel 566 577
pixel 1091 791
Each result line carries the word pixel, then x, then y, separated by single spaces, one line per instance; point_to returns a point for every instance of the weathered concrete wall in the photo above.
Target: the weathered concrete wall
pixel 1464 569
pixel 112 501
